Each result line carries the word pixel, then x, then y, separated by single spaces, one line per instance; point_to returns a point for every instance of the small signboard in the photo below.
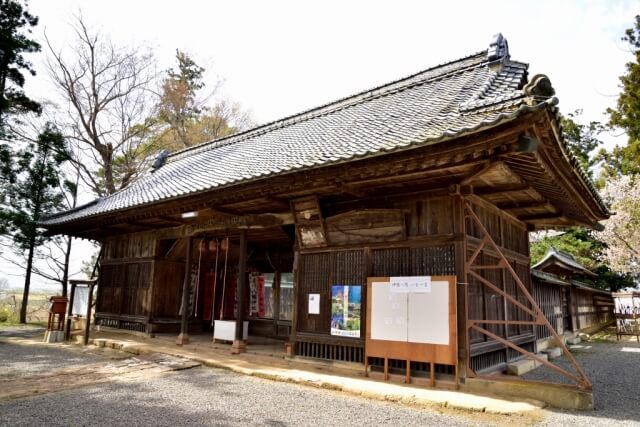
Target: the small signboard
pixel 80 301
pixel 314 304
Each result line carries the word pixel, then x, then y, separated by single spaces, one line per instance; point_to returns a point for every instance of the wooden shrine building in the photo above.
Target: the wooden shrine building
pixel 441 173
pixel 570 305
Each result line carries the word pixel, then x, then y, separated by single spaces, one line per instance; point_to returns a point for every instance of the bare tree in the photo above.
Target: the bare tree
pixel 109 93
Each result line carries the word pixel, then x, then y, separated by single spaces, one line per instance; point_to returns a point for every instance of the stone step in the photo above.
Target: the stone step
pixel 522 366
pixel 53 336
pixel 573 340
pixel 553 352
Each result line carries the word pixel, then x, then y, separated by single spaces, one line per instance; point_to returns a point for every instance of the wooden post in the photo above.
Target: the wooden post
pixel 296 286
pixel 239 344
pixel 87 326
pixel 275 295
pixel 183 338
pixel 67 332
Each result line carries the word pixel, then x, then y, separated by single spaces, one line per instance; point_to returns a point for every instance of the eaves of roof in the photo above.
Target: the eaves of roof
pixel 439 104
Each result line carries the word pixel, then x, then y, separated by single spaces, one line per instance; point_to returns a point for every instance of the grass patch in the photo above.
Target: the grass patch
pixel 11 302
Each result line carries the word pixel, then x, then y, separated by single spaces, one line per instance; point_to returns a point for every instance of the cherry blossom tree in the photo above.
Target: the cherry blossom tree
pixel 622 231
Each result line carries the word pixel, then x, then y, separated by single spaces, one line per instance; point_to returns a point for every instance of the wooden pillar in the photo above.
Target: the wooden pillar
pixel 87 326
pixel 460 247
pixel 67 333
pixel 183 338
pixel 239 344
pixel 275 294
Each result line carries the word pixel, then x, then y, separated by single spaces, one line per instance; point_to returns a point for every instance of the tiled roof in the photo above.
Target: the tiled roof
pixel 555 257
pixel 549 278
pixel 439 103
pixel 555 280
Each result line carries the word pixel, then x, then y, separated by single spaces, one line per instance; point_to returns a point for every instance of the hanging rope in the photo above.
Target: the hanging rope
pixel 224 277
pixel 195 308
pixel 215 282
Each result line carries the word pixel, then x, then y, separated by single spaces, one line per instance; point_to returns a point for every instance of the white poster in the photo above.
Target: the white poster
pixel 314 304
pixel 428 319
pixel 389 313
pixel 80 301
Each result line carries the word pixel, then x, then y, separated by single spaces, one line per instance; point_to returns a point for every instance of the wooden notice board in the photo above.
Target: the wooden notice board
pixel 412 319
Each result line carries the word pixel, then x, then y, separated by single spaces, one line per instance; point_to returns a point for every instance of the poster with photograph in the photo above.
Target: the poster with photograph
pixel 346 310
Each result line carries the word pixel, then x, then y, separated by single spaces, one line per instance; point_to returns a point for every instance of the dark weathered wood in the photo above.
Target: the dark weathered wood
pixel 183 338
pixel 87 326
pixel 67 332
pixel 365 226
pixel 239 344
pixel 310 227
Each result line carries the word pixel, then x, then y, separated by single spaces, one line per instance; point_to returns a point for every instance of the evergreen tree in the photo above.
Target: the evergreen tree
pixel 582 139
pixel 15 26
pixel 15 21
pixel 34 193
pixel 625 160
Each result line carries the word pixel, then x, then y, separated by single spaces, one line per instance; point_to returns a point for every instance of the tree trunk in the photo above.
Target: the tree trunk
pixel 27 282
pixel 65 272
pixel 107 160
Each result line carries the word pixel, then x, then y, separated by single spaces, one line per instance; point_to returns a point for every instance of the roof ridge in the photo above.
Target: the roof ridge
pixel 338 105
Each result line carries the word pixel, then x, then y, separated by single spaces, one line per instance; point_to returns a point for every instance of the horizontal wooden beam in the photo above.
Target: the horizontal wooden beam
pixel 540 217
pixel 257 221
pixel 507 206
pixel 174 220
pixel 505 188
pixel 142 226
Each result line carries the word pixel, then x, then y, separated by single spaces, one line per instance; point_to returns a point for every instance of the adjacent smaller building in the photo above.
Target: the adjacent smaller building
pixel 570 305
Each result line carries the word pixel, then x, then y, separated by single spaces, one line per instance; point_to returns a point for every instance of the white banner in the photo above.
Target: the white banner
pixel 411 284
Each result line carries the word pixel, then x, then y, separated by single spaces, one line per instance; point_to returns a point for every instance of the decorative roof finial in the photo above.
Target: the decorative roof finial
pixel 498 48
pixel 160 160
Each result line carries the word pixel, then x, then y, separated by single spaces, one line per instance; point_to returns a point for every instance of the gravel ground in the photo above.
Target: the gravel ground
pixel 206 396
pixel 614 371
pixel 26 360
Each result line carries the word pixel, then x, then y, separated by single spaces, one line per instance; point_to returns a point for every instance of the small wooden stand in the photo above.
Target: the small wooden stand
pixel 55 328
pixel 58 306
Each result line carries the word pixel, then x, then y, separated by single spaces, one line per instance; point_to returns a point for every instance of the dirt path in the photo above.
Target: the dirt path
pixel 16 383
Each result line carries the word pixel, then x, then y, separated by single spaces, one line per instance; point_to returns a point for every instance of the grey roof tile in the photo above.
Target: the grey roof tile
pixel 444 101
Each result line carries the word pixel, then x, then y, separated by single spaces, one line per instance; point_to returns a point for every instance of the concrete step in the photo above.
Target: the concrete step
pixel 552 352
pixel 53 336
pixel 573 340
pixel 522 366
